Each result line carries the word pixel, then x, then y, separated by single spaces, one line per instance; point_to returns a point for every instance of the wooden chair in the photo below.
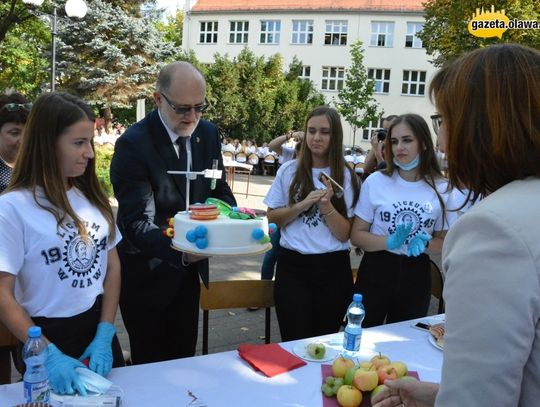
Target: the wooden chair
pixel 240 157
pixel 269 163
pixel 437 284
pixel 227 155
pixel 236 294
pixel 253 159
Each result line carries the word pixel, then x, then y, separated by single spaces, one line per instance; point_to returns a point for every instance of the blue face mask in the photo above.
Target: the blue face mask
pixel 409 166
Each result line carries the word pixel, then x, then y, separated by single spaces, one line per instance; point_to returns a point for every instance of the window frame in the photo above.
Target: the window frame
pixel 383 80
pixel 208 35
pixel 272 33
pixel 339 78
pixel 298 32
pixel 331 34
pixel 243 32
pixel 410 83
pixel 376 34
pixel 412 33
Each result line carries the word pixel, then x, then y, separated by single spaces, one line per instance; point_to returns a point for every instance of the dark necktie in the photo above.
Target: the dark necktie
pixel 182 153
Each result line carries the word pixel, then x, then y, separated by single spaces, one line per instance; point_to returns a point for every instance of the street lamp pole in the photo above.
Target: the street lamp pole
pixel 74 8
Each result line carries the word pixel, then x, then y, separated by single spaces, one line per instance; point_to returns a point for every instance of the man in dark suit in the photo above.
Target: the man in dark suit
pixel 160 286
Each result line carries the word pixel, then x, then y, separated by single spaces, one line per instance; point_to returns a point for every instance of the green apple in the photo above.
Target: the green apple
pixel 341 365
pixel 401 368
pixel 349 396
pixel 365 380
pixel 316 350
pixel 349 375
pixel 408 378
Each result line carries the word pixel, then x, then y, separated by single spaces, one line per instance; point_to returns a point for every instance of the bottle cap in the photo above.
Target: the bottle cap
pixel 34 332
pixel 357 297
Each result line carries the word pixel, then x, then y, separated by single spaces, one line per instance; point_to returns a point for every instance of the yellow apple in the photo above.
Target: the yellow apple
pixel 365 380
pixel 367 366
pixel 401 368
pixel 408 378
pixel 341 365
pixel 380 360
pixel 349 396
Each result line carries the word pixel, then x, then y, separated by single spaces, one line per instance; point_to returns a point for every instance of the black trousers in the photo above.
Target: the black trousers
pixel 160 330
pixel 73 334
pixel 311 292
pixel 394 287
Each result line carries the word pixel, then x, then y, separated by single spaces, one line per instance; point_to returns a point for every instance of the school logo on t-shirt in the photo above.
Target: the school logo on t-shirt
pixel 81 254
pixel 415 213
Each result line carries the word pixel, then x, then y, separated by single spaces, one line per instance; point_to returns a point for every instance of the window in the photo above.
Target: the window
pixel 332 78
pixel 306 72
pixel 367 131
pixel 381 79
pixel 382 34
pixel 270 31
pixel 238 32
pixel 335 32
pixel 302 32
pixel 414 83
pixel 411 40
pixel 208 33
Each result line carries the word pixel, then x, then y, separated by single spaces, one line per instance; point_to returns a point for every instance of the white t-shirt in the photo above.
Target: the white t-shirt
pixel 287 152
pixel 387 201
pixel 262 151
pixel 308 233
pixel 58 274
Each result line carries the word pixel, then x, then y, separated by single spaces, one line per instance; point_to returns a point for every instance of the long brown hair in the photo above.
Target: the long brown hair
pixel 489 100
pixel 302 183
pixel 37 162
pixel 428 168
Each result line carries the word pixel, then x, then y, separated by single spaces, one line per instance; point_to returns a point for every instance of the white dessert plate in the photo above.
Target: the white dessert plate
pixel 300 350
pixel 432 340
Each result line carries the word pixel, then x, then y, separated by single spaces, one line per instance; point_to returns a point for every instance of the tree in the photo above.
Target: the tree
pixel 110 58
pixel 172 28
pixel 355 100
pixel 445 35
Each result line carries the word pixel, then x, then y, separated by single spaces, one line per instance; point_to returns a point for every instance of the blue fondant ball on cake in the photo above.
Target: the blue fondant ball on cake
pixel 257 234
pixel 201 231
pixel 201 243
pixel 191 236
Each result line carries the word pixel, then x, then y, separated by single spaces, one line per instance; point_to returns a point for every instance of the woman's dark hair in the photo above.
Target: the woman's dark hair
pixel 38 165
pixel 489 100
pixel 302 183
pixel 19 116
pixel 428 168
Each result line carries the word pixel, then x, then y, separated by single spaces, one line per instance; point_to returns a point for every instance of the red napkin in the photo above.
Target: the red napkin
pixel 326 370
pixel 270 359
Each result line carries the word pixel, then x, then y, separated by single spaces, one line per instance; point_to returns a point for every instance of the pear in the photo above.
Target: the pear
pixel 316 350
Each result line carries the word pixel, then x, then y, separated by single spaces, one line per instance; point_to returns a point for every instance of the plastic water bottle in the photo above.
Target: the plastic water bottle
pixel 353 331
pixel 36 378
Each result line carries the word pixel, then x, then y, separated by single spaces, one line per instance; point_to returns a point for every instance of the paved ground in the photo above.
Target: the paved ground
pixel 229 328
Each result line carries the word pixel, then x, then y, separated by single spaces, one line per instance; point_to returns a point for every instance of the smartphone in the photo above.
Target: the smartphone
pixel 421 325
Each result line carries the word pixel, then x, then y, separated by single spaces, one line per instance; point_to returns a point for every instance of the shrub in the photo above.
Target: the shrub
pixel 103 163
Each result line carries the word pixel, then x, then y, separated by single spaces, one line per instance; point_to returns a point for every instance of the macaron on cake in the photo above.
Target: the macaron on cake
pixel 201 211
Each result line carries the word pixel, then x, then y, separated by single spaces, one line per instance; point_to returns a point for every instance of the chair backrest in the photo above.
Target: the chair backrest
pixel 241 157
pixel 437 285
pixel 228 155
pixel 236 294
pixel 253 159
pixel 359 165
pixel 270 159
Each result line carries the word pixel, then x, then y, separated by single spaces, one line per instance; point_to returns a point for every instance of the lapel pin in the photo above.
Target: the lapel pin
pixel 198 139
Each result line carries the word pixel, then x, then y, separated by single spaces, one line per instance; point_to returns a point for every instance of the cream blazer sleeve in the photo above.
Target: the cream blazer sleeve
pixel 492 294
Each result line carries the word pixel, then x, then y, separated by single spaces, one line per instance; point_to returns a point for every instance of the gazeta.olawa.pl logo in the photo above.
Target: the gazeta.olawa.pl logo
pixel 487 24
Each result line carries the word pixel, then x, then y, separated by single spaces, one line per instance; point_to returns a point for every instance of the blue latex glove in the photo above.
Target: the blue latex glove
pixel 100 349
pixel 62 375
pixel 417 245
pixel 396 239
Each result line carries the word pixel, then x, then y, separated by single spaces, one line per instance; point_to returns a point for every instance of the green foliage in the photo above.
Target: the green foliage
pixel 445 35
pixel 172 28
pixel 355 101
pixel 252 98
pixel 103 163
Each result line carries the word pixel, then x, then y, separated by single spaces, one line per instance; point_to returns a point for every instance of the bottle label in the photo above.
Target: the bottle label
pixel 351 341
pixel 36 391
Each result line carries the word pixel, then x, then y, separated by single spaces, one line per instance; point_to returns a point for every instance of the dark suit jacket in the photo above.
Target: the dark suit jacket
pixel 147 196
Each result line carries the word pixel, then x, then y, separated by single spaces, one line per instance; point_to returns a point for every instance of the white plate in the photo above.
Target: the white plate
pixel 300 350
pixel 432 340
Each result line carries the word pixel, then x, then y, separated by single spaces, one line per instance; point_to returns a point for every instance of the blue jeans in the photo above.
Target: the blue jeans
pixel 270 258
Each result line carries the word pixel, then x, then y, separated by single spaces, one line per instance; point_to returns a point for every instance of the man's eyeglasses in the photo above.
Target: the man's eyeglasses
pixel 185 109
pixel 436 122
pixel 15 107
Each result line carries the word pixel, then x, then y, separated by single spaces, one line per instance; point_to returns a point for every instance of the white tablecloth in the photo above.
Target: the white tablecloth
pixel 224 379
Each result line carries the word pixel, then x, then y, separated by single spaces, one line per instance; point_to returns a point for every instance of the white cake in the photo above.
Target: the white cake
pixel 225 236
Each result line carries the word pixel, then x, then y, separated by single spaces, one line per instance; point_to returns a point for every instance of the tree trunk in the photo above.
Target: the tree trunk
pixel 107 117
